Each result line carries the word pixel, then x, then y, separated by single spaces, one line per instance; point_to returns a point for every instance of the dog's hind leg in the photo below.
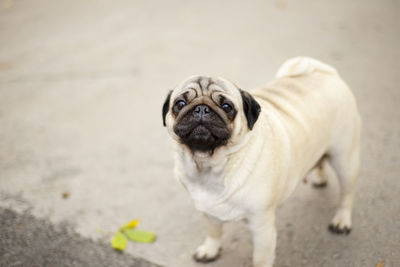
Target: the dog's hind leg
pixel 346 162
pixel 319 174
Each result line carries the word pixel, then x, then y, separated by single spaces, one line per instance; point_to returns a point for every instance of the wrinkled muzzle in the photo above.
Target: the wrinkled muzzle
pixel 202 129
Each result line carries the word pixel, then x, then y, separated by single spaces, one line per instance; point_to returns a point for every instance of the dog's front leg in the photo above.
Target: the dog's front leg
pixel 210 249
pixel 262 226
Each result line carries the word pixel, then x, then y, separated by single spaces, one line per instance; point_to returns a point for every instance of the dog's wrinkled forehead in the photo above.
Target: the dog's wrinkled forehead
pixel 197 86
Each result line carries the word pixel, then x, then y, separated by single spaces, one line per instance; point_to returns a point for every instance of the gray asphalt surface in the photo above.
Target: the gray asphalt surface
pixel 81 89
pixel 26 241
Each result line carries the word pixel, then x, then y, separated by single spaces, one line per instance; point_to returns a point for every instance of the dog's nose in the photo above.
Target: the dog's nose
pixel 201 111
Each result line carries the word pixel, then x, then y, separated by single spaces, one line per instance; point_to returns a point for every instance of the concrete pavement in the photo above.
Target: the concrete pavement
pixel 28 241
pixel 81 89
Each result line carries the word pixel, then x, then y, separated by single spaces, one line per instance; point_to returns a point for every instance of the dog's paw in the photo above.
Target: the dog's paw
pixel 319 184
pixel 341 223
pixel 209 251
pixel 336 229
pixel 319 181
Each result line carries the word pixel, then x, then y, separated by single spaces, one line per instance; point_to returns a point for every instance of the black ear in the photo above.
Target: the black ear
pixel 250 107
pixel 166 107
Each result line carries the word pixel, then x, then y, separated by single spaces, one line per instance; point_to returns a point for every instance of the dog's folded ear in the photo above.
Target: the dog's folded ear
pixel 251 108
pixel 166 107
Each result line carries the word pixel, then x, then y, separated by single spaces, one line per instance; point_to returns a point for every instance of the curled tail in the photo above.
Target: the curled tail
pixel 303 65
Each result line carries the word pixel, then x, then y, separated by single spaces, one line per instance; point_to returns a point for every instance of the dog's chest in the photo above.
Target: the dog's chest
pixel 211 196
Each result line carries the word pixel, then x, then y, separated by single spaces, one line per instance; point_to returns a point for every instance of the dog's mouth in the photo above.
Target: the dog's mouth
pixel 203 136
pixel 201 132
pixel 200 136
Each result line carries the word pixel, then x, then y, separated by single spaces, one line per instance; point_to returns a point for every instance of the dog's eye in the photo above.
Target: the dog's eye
pixel 226 107
pixel 179 105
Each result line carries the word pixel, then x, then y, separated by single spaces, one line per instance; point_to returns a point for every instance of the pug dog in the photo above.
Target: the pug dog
pixel 240 154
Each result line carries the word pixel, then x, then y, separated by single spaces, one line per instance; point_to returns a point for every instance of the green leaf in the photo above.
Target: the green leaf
pixel 119 241
pixel 140 236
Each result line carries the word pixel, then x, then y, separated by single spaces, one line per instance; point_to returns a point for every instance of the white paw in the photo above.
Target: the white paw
pixel 209 251
pixel 341 223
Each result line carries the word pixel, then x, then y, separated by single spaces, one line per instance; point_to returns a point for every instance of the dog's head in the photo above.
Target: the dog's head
pixel 205 113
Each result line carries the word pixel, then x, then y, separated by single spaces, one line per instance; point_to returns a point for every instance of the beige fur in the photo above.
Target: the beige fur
pixel 308 119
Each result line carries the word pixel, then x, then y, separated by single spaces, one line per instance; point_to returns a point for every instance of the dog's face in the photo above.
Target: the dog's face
pixel 204 113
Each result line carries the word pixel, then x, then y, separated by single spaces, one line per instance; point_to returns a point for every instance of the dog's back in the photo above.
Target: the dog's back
pixel 303 65
pixel 315 107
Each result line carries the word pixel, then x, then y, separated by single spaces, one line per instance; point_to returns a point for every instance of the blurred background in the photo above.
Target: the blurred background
pixel 82 143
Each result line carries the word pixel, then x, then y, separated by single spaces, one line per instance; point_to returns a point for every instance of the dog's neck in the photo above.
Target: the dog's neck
pixel 202 162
